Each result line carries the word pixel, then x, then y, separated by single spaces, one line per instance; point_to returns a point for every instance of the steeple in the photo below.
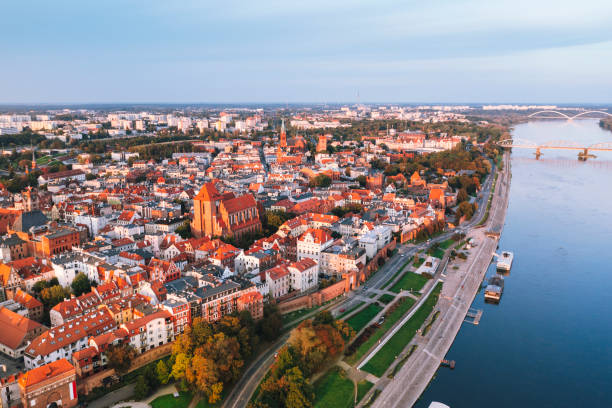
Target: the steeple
pixel 283 135
pixel 33 155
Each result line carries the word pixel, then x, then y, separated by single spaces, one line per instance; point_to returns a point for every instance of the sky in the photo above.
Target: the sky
pixel 321 51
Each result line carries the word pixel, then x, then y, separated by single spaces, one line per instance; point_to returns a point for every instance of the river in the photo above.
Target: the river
pixel 549 341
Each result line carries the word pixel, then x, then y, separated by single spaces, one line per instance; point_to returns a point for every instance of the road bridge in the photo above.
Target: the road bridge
pixel 584 151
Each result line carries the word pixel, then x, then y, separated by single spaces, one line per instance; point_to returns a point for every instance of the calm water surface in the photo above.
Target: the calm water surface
pixel 549 341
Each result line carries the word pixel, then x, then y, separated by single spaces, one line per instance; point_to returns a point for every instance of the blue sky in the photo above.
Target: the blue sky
pixel 306 51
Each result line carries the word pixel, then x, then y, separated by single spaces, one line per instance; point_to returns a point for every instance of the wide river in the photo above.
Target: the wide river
pixel 548 343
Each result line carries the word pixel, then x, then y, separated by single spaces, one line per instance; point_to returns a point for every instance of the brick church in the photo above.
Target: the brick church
pixel 224 214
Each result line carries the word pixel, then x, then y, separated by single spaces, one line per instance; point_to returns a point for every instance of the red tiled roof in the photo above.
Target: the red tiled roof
pixel 45 372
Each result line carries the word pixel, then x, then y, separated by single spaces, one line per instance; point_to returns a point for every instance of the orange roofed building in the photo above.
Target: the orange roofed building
pixel 216 214
pixel 52 385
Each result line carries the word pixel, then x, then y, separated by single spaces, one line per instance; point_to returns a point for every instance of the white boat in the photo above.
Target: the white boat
pixel 435 404
pixel 504 261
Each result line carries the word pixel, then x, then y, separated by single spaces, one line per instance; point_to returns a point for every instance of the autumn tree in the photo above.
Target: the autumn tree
pixel 162 372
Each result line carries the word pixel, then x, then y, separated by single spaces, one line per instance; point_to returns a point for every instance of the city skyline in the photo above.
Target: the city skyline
pixel 272 52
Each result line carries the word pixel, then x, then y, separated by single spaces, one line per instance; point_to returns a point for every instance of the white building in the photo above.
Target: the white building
pixel 150 331
pixel 278 280
pixel 304 274
pixel 312 242
pixel 67 265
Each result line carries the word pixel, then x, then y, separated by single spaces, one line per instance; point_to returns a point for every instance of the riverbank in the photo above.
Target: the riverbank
pixel 459 289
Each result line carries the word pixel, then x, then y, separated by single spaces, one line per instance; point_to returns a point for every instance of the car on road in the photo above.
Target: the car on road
pixel 381 320
pixel 342 310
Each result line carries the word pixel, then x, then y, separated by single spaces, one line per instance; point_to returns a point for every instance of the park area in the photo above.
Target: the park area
pixel 410 281
pixel 336 390
pixel 361 319
pixel 382 360
pixel 395 312
pixel 170 401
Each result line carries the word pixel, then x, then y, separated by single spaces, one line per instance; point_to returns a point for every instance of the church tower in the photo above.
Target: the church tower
pixel 283 135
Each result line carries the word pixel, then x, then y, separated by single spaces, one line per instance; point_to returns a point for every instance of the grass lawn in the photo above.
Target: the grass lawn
pixel 361 319
pixel 362 389
pixel 405 305
pixel 379 363
pixel 447 244
pixel 395 275
pixel 296 314
pixel 410 280
pixel 203 403
pixel 436 253
pixel 168 401
pixel 334 389
pixel 386 298
pixel 351 310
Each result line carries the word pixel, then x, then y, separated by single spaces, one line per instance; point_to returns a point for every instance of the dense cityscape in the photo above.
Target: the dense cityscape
pixel 345 204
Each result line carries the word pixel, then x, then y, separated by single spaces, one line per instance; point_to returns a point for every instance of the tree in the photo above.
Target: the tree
pixel 465 209
pixel 322 181
pixel 462 195
pixel 163 374
pixel 90 176
pixel 53 295
pixel 120 357
pixel 184 230
pixel 141 389
pixel 271 325
pixel 80 284
pixel 362 180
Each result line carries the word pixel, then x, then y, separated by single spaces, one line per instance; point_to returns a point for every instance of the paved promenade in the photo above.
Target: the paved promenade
pixel 460 287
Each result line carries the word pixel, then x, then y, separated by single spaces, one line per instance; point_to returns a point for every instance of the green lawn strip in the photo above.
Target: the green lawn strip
pixel 351 310
pixel 447 244
pixel 404 306
pixel 334 389
pixel 361 319
pixel 396 274
pixel 296 314
pixel 400 363
pixel 168 401
pixel 372 398
pixel 386 298
pixel 410 280
pixel 362 389
pixel 436 252
pixel 379 363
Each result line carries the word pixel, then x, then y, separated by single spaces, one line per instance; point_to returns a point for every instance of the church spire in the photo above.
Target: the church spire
pixel 283 135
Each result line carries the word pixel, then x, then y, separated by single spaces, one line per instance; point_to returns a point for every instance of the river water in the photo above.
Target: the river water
pixel 548 343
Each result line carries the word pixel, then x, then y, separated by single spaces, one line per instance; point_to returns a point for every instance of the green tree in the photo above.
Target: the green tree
pixel 80 284
pixel 141 389
pixel 163 374
pixel 184 230
pixel 271 325
pixel 362 180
